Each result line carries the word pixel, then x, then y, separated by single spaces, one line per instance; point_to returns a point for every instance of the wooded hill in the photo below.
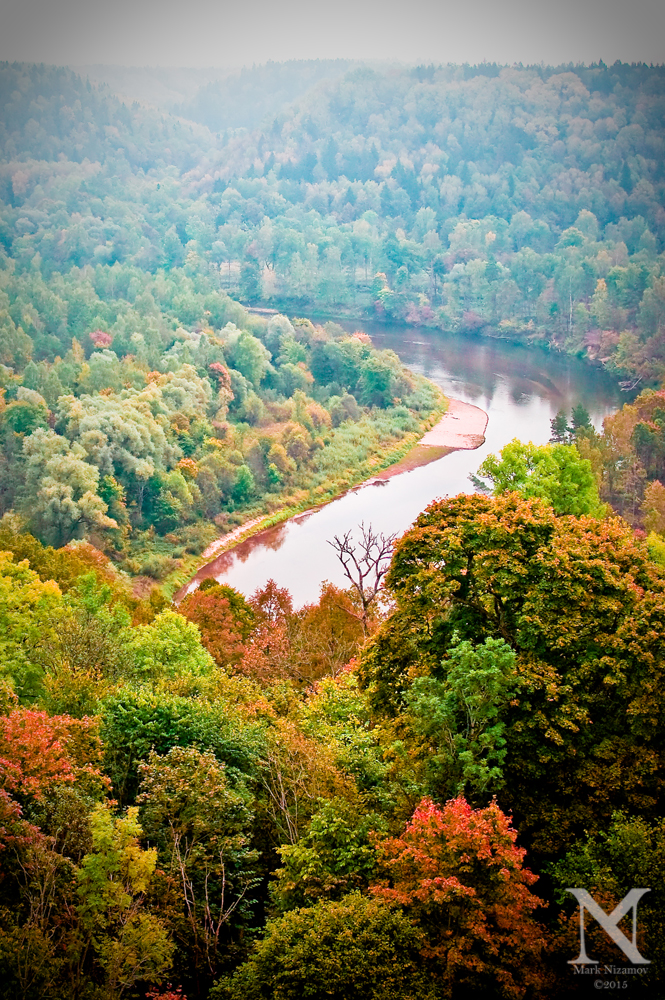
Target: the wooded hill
pixel 523 201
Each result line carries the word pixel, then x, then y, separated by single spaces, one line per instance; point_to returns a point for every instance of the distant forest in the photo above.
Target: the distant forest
pixel 525 202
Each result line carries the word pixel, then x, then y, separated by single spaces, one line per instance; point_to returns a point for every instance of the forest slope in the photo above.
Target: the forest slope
pixel 524 202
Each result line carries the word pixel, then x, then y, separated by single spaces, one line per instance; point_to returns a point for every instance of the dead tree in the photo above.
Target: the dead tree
pixel 365 565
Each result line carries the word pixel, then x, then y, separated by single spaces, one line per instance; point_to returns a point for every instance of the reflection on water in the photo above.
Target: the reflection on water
pixel 520 388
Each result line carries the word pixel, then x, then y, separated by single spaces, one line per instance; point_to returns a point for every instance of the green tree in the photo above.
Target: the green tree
pixel 136 722
pixel 62 499
pixel 462 717
pixel 200 823
pixel 333 857
pixel 353 947
pixel 609 863
pixel 560 430
pixel 553 472
pixel 26 607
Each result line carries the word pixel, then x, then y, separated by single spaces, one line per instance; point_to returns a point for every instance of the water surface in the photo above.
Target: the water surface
pixel 520 389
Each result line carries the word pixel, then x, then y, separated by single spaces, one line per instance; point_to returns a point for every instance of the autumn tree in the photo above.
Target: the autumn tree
pixel 225 621
pixel 49 781
pixel 329 633
pixel 121 943
pixel 581 604
pixel 460 877
pixel 296 771
pixel 269 653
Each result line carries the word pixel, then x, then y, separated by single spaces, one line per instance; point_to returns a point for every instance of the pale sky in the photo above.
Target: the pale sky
pixel 222 33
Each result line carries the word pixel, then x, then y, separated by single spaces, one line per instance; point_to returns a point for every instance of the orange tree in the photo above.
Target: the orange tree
pixel 224 619
pixel 583 606
pixel 459 876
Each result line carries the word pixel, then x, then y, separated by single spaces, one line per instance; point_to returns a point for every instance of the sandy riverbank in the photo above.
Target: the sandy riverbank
pixel 461 428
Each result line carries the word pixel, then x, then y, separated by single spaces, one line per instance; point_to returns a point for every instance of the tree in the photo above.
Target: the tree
pixel 353 947
pixel 63 489
pixel 39 752
pixel 268 653
pixel 224 619
pixel 136 721
pixel 554 472
pixel 461 717
pixel 329 634
pixel 365 565
pixel 296 773
pixel 581 604
pixel 382 380
pixel 26 607
pixel 170 646
pixel 560 429
pixel 200 822
pixel 36 918
pixel 653 507
pixel 609 863
pixel 334 856
pixel 459 875
pixel 122 943
pixel 581 419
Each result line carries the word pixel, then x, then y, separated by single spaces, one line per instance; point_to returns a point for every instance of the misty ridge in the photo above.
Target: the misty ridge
pixel 522 201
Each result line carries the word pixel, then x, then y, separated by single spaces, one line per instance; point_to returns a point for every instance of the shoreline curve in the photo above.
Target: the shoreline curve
pixel 461 428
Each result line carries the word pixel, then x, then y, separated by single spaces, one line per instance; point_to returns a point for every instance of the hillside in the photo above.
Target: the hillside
pixel 523 202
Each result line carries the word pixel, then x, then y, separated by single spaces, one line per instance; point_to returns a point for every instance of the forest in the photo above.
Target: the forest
pixel 386 793
pixel 523 202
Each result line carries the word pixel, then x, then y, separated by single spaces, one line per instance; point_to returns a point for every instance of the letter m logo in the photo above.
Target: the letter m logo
pixel 609 921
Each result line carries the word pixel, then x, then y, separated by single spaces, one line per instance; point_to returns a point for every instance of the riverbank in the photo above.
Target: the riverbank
pixel 334 485
pixel 461 428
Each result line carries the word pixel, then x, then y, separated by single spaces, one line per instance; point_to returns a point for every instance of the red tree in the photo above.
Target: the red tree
pixel 458 873
pixel 221 632
pixel 38 751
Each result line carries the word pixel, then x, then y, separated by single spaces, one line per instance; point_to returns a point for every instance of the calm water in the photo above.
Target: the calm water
pixel 520 389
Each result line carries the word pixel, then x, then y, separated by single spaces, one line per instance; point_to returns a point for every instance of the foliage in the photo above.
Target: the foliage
pixel 580 602
pixel 224 625
pixel 135 723
pixel 128 943
pixel 201 826
pixel 461 716
pixel 25 607
pixel 459 874
pixel 629 853
pixel 553 472
pixel 40 751
pixel 333 857
pixel 334 949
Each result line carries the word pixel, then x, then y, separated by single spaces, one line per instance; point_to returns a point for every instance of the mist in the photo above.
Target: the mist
pixel 207 34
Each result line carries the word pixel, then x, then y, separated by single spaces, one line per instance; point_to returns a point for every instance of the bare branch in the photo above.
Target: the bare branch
pixel 365 564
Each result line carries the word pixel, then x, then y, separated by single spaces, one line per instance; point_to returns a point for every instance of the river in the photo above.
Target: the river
pixel 520 389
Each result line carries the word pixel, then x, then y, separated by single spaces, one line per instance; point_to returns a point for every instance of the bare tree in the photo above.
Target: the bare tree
pixel 365 565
